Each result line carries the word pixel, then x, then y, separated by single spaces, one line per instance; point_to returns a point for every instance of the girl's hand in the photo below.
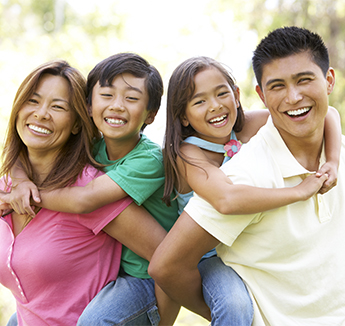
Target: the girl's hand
pixel 311 185
pixel 20 196
pixel 331 170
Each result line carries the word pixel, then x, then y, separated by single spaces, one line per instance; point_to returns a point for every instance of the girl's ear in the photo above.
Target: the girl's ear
pixel 237 95
pixel 89 109
pixel 184 121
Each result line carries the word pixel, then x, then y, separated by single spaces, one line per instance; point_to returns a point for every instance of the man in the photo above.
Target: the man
pixel 292 259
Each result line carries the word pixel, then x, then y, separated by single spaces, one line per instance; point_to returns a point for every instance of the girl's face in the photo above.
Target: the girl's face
pixel 46 120
pixel 212 111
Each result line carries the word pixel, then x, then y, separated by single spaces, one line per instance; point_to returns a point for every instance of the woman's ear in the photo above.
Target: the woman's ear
pixel 76 128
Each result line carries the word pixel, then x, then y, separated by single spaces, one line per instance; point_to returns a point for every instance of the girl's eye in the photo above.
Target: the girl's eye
pixel 199 102
pixel 223 93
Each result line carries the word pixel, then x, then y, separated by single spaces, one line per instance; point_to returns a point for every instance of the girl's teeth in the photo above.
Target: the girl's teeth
pixel 298 112
pixel 115 121
pixel 218 119
pixel 40 130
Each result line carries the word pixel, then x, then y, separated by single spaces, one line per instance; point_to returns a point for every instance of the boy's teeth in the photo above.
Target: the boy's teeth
pixel 115 121
pixel 298 112
pixel 218 119
pixel 40 130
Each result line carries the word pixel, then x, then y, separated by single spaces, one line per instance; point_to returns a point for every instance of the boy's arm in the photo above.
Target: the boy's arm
pixel 332 148
pixel 228 198
pixel 81 200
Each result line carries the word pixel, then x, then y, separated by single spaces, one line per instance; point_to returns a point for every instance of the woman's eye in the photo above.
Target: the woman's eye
pixel 106 95
pixel 33 101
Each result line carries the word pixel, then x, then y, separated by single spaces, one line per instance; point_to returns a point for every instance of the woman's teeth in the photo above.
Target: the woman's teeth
pixel 298 112
pixel 40 130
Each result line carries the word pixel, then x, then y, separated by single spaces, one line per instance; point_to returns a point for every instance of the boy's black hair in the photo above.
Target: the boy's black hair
pixel 105 72
pixel 287 41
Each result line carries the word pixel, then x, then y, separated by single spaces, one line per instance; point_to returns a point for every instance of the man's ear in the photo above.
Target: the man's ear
pixel 150 117
pixel 261 94
pixel 330 77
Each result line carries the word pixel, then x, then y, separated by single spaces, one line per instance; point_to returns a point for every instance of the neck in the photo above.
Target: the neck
pixel 117 149
pixel 306 151
pixel 41 167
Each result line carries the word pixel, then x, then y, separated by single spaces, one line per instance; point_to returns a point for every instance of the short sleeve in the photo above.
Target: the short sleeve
pixel 99 218
pixel 139 176
pixel 225 228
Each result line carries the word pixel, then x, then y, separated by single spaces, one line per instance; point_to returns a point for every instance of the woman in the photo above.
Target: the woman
pixel 56 263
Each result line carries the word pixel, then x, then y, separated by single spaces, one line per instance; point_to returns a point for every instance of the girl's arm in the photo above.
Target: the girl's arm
pixel 332 148
pixel 228 198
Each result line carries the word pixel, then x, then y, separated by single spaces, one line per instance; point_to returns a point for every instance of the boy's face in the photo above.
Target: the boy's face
pixel 120 110
pixel 295 91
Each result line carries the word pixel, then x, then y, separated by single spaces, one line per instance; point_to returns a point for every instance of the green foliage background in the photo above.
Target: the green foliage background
pixel 164 32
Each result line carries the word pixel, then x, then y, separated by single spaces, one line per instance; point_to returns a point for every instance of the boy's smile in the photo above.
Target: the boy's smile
pixel 295 91
pixel 119 111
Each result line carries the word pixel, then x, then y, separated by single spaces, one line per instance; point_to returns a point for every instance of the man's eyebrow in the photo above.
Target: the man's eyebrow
pixel 295 76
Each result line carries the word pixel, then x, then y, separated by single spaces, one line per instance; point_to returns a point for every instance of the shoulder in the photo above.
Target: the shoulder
pixel 254 120
pixel 89 173
pixel 146 149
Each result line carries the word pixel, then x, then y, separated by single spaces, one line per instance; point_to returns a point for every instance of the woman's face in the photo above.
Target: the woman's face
pixel 46 120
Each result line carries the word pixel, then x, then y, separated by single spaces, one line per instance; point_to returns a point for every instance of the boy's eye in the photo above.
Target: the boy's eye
pixel 276 86
pixel 132 98
pixel 305 79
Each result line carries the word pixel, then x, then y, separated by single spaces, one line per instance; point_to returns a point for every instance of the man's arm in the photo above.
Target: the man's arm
pixel 174 265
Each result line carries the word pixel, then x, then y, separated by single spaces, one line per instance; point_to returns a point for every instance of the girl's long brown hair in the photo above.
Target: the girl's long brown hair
pixel 76 153
pixel 180 91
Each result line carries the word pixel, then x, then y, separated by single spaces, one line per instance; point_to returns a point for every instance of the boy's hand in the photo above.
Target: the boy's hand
pixel 20 196
pixel 332 170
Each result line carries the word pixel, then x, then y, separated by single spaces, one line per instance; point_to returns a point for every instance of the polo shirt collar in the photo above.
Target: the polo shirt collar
pixel 287 163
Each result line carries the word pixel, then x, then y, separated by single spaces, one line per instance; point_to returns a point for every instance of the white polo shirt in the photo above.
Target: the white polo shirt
pixel 292 259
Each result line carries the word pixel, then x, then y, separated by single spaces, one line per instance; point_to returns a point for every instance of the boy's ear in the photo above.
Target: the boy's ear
pixel 261 94
pixel 150 117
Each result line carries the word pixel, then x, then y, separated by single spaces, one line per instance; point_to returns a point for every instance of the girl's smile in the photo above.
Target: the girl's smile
pixel 212 111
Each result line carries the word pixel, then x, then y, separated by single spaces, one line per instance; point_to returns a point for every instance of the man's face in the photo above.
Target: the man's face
pixel 295 91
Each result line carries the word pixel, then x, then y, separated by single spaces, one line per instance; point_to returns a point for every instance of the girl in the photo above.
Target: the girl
pixel 203 114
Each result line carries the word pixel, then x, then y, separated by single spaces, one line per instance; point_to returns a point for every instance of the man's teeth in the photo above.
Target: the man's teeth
pixel 115 121
pixel 217 120
pixel 298 112
pixel 40 130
